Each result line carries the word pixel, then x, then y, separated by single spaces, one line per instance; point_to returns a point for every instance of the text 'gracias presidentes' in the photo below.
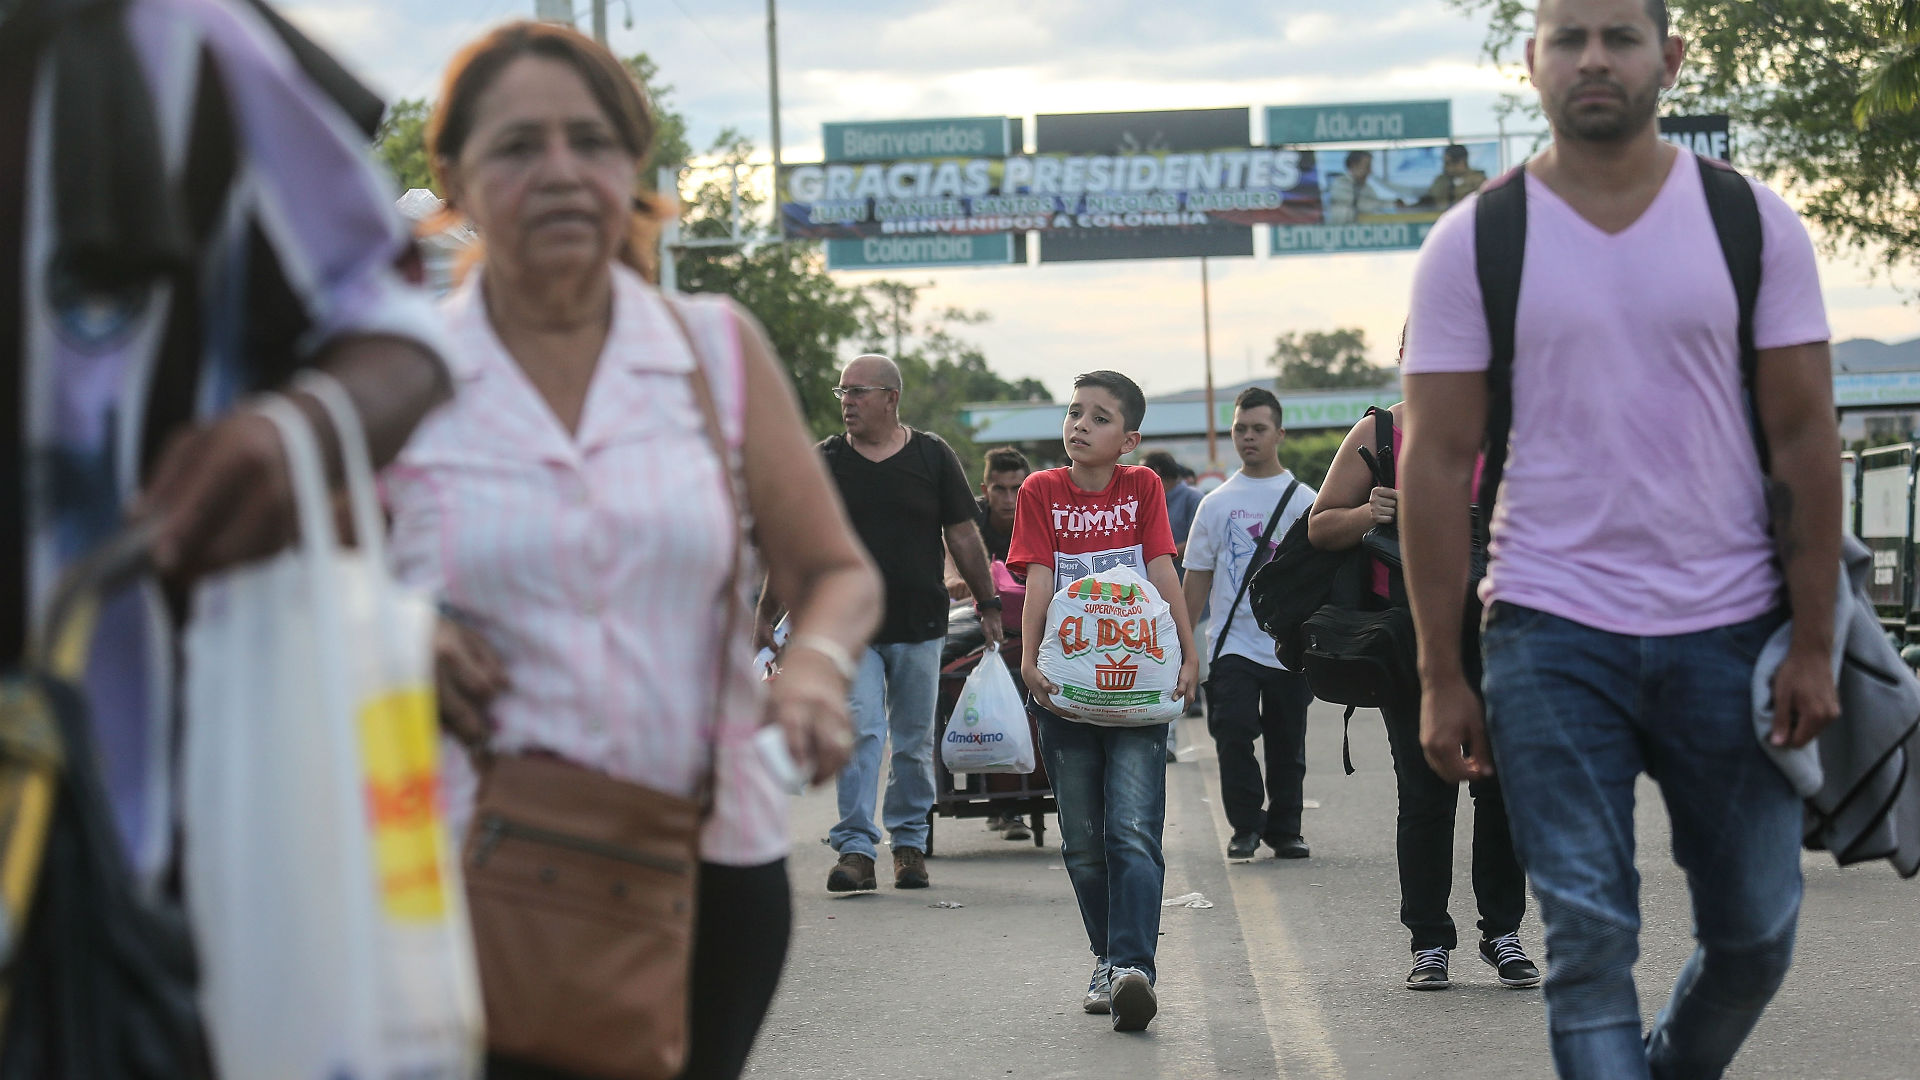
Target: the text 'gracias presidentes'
pixel 1043 191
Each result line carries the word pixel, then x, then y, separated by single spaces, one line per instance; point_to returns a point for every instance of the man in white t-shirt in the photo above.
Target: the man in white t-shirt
pixel 1250 695
pixel 1626 603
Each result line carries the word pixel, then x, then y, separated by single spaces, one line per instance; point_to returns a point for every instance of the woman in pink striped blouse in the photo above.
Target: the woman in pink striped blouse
pixel 568 507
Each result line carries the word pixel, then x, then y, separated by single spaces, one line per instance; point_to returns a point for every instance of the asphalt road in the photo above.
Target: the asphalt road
pixel 1294 972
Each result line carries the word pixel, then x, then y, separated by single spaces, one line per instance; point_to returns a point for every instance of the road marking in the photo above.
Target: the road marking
pixel 1302 1043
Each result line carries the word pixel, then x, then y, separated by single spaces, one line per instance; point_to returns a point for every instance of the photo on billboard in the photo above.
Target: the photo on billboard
pixel 1385 199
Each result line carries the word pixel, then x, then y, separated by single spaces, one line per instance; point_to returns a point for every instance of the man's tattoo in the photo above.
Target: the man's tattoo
pixel 1780 519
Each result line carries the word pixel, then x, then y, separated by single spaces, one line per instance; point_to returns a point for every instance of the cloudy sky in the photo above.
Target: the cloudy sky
pixel 865 60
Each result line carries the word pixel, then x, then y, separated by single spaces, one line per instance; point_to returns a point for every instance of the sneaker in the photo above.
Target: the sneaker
pixel 1505 956
pixel 853 873
pixel 996 822
pixel 1134 1001
pixel 1290 847
pixel 1099 997
pixel 1429 970
pixel 1244 846
pixel 910 868
pixel 1012 828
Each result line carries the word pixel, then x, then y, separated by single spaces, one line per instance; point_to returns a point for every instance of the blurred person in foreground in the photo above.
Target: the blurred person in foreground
pixel 581 572
pixel 187 216
pixel 1626 606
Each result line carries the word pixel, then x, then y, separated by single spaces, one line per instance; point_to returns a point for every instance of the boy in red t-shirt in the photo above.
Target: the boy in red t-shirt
pixel 1110 782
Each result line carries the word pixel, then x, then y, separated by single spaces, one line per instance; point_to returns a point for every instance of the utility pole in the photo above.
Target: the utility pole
pixel 773 110
pixel 1206 330
pixel 600 21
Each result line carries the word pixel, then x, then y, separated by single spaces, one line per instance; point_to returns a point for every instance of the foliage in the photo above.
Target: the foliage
pixel 401 143
pixel 1893 84
pixel 1310 456
pixel 1789 73
pixel 942 371
pixel 1319 360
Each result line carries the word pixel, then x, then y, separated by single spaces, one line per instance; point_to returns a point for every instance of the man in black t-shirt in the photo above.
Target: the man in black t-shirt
pixel 908 499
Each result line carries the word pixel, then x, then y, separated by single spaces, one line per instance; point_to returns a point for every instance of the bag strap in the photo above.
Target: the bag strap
pixel 736 502
pixel 1736 220
pixel 1383 438
pixel 1220 639
pixel 1500 249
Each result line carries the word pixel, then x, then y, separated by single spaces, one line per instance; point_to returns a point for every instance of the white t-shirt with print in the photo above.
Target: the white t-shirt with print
pixel 1226 532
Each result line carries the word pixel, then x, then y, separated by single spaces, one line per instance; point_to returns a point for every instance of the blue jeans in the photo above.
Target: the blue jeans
pixel 893 696
pixel 1111 787
pixel 1575 715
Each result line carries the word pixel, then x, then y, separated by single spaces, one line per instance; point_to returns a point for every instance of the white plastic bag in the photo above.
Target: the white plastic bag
pixel 326 904
pixel 1113 650
pixel 988 731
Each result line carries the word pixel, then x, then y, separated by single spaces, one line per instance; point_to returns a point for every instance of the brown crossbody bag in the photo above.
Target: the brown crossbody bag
pixel 582 888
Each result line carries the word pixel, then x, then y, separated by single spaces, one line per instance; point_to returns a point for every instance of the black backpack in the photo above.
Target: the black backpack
pixel 1296 582
pixel 1500 239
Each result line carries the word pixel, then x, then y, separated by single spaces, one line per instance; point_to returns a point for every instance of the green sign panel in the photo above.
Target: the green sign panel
pixel 893 252
pixel 1380 121
pixel 882 140
pixel 1317 410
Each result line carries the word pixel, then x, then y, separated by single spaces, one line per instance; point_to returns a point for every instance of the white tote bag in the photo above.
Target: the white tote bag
pixel 326 903
pixel 988 732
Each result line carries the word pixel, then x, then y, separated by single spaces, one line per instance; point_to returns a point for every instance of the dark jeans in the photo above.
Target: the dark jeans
pixel 1576 715
pixel 1423 842
pixel 1248 701
pixel 1111 787
pixel 739 948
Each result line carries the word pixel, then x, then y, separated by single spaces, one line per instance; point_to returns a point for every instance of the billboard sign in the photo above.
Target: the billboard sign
pixel 1385 198
pixel 1379 121
pixel 882 140
pixel 1041 192
pixel 1708 136
pixel 1156 131
pixel 897 252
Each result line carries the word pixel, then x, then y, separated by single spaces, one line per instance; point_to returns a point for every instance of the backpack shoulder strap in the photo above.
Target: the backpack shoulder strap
pixel 1736 220
pixel 1246 579
pixel 1500 248
pixel 1383 438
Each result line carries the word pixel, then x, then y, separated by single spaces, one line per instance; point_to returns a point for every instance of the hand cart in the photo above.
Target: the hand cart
pixel 983 795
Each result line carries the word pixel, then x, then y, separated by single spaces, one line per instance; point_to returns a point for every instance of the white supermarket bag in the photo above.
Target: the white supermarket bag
pixel 988 732
pixel 326 902
pixel 1113 650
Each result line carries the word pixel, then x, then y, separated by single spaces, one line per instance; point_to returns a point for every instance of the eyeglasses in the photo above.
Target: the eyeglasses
pixel 845 392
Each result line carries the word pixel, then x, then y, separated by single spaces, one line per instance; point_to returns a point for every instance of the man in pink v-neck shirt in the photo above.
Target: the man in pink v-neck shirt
pixel 1633 580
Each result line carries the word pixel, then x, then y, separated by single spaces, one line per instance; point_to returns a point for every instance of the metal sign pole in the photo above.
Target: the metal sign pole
pixel 1206 331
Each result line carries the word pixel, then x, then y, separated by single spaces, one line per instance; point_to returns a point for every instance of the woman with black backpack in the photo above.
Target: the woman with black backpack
pixel 1350 505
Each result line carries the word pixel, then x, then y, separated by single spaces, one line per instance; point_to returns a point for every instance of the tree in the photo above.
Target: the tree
pixel 1789 73
pixel 1325 361
pixel 401 143
pixel 1893 85
pixel 1309 457
pixel 942 371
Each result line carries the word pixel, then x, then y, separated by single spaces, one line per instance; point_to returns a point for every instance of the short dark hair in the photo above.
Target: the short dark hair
pixel 1007 459
pixel 1255 396
pixel 1657 11
pixel 1163 464
pixel 1456 152
pixel 1359 155
pixel 1133 403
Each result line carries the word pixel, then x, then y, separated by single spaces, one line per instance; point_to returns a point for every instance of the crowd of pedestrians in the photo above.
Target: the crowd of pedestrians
pixel 599 609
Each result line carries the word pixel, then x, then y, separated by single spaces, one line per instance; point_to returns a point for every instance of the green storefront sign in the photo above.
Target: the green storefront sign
pixel 882 140
pixel 892 252
pixel 1318 411
pixel 1379 121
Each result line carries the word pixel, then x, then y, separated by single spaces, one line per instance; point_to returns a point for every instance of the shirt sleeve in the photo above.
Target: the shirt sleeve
pixel 310 186
pixel 1446 325
pixel 1202 546
pixel 956 501
pixel 1156 535
pixel 1789 310
pixel 1032 529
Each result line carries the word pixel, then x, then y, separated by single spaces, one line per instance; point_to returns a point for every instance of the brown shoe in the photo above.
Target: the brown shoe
pixel 853 873
pixel 910 868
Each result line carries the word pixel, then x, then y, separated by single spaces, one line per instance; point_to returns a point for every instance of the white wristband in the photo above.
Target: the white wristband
pixel 836 653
